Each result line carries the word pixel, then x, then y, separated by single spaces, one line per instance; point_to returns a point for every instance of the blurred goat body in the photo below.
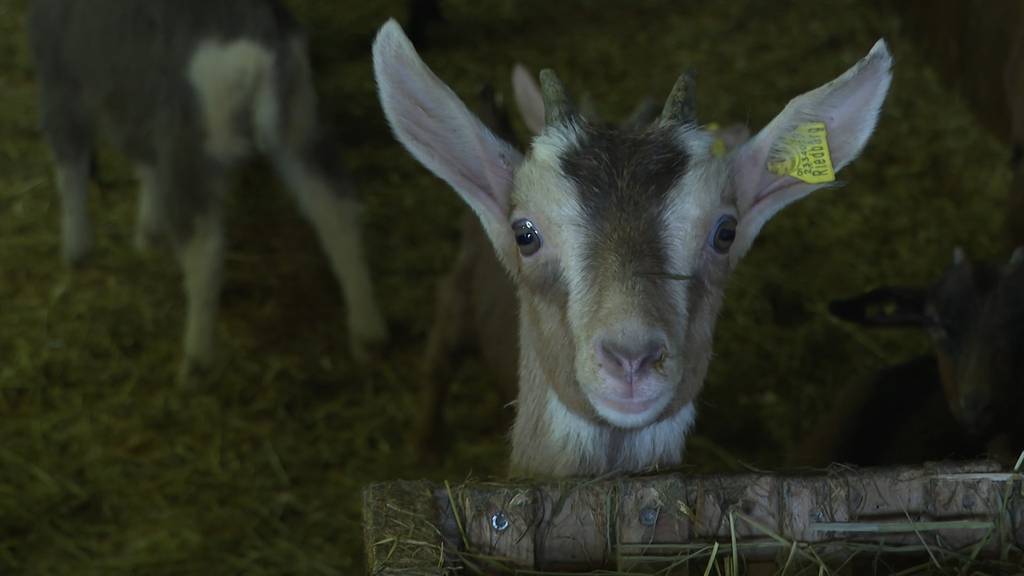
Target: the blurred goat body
pixel 619 243
pixel 186 89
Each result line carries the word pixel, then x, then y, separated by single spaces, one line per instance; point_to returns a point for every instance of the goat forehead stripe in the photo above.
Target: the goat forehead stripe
pixel 624 180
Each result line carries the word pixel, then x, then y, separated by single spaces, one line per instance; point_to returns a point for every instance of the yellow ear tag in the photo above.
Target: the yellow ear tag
pixel 804 155
pixel 717 145
pixel 718 148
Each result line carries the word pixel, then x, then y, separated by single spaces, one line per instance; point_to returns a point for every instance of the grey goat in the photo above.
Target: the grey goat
pixel 187 89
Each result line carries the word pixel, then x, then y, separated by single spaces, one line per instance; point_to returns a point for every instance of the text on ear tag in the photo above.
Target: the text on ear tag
pixel 804 155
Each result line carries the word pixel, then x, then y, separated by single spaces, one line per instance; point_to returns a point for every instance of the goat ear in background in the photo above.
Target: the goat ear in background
pixel 439 131
pixel 848 106
pixel 529 99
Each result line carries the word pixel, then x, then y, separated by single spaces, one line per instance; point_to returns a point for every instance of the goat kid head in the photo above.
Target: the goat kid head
pixel 974 314
pixel 620 240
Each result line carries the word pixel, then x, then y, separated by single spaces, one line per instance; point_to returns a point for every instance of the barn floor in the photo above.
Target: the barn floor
pixel 108 467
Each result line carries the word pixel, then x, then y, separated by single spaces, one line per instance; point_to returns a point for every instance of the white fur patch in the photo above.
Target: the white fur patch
pixel 579 445
pixel 695 141
pixel 73 184
pixel 575 440
pixel 543 195
pixel 201 261
pixel 660 444
pixel 694 205
pixel 553 143
pixel 231 80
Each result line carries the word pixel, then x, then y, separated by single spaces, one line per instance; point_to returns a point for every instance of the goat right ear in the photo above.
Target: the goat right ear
pixel 439 131
pixel 847 110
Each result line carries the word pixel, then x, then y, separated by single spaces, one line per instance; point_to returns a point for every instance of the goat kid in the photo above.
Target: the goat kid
pixel 187 89
pixel 971 388
pixel 475 307
pixel 619 244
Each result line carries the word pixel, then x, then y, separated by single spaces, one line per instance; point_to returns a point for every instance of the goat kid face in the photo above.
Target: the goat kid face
pixel 614 289
pixel 621 250
pixel 620 241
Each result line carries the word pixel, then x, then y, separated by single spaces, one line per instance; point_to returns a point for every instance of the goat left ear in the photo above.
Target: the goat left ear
pixel 848 108
pixel 437 128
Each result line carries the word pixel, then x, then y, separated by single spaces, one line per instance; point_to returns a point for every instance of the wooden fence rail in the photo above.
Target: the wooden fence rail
pixel 669 523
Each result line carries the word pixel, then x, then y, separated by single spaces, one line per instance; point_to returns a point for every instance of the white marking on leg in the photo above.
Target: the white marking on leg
pixel 229 78
pixel 201 258
pixel 148 221
pixel 73 185
pixel 336 220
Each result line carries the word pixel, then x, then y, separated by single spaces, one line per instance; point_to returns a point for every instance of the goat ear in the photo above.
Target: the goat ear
pixel 529 99
pixel 439 131
pixel 847 106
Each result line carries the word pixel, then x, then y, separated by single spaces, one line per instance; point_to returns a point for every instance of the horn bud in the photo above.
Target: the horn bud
pixel 681 106
pixel 557 107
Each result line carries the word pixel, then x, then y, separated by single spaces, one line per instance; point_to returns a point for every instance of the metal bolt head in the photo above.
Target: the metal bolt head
pixel 499 522
pixel 649 516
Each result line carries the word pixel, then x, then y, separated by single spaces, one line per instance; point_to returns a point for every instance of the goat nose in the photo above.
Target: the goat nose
pixel 629 361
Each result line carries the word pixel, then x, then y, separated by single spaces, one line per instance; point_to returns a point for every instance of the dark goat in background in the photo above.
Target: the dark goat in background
pixel 966 400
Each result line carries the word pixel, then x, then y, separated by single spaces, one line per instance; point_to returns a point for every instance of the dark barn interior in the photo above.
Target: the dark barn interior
pixel 108 465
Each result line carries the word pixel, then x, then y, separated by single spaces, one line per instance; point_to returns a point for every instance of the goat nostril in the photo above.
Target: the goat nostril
pixel 631 358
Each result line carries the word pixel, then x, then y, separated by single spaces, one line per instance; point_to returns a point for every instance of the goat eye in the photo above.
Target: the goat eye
pixel 723 234
pixel 527 237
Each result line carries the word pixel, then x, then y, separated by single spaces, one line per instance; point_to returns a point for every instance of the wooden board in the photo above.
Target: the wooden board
pixel 652 523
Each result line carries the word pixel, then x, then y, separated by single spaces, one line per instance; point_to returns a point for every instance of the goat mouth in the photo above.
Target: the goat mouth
pixel 625 406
